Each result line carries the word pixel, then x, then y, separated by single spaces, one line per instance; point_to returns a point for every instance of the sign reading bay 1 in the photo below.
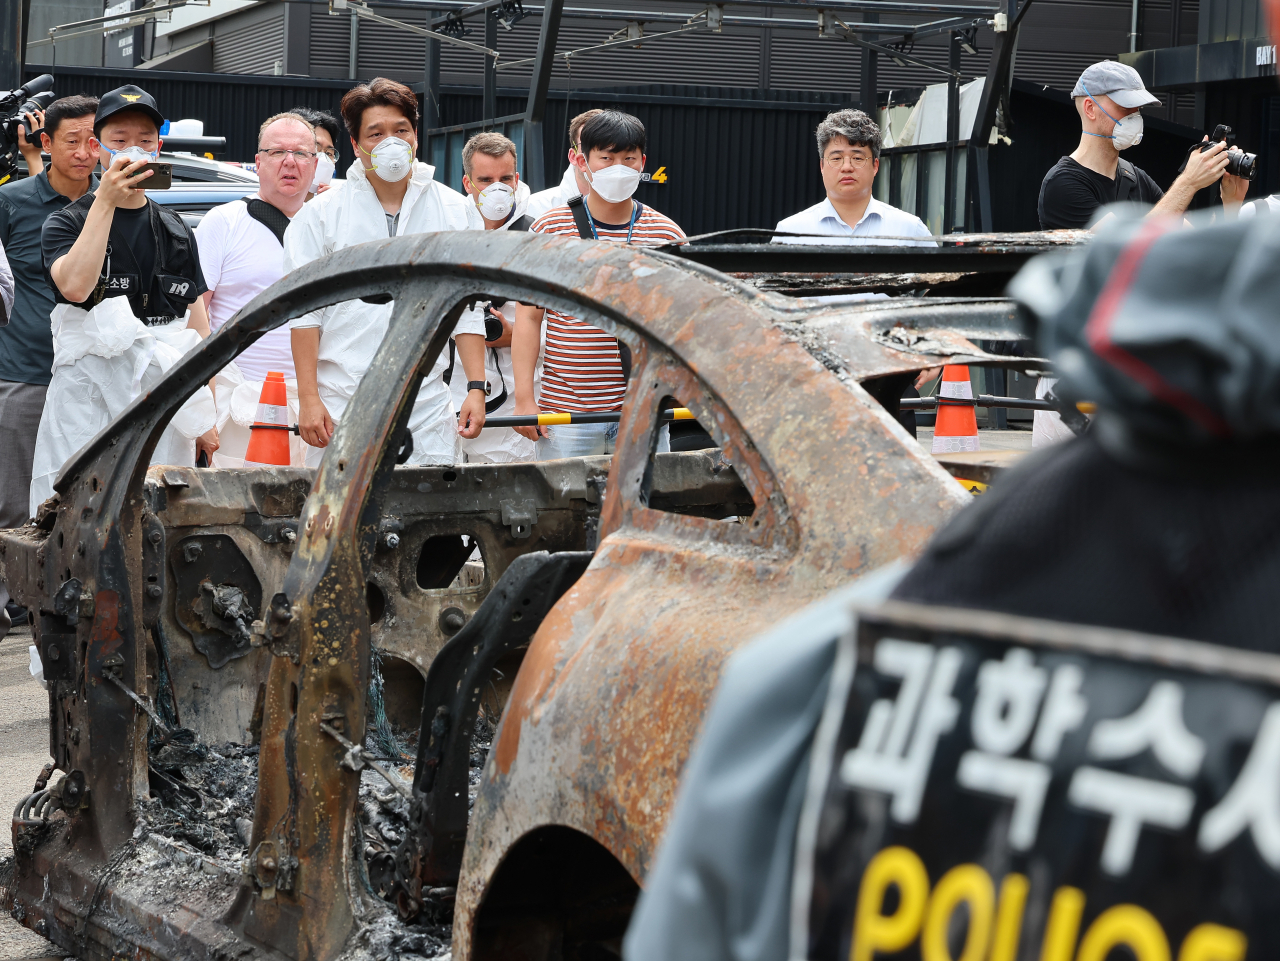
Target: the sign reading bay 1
pixel 994 788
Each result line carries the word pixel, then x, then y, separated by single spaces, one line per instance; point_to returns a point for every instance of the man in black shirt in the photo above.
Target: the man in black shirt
pixel 124 272
pixel 1109 97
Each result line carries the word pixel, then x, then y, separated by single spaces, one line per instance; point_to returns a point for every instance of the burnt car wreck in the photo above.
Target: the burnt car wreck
pixel 224 786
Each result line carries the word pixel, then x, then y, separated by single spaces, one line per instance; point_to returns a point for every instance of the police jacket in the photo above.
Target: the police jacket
pixel 160 282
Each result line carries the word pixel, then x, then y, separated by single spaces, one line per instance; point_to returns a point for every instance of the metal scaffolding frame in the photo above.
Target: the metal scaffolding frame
pixel 959 22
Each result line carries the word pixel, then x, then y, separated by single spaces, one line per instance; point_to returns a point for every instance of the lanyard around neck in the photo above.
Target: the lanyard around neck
pixel 635 215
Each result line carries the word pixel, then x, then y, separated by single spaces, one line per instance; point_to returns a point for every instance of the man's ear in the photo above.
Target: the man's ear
pixel 159 145
pixel 355 148
pixel 875 166
pixel 46 143
pixel 466 184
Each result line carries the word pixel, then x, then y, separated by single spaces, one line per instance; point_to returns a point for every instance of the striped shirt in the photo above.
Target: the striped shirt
pixel 582 370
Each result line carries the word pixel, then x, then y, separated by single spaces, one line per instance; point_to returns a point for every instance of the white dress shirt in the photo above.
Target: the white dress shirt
pixel 823 224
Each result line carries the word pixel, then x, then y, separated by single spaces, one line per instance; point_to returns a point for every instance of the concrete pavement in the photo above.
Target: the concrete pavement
pixel 24 750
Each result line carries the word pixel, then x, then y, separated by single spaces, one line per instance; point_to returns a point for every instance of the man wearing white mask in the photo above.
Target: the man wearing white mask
pixel 125 273
pixel 387 194
pixel 583 369
pixel 1109 97
pixel 242 254
pixel 491 180
pixel 572 183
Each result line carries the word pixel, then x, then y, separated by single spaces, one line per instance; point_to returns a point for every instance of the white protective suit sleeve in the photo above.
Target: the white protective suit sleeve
pixel 352 331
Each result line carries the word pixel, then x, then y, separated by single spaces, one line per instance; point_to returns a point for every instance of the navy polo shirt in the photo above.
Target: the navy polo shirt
pixel 26 344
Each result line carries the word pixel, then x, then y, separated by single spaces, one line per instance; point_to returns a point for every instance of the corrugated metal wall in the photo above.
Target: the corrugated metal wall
pixel 1232 20
pixel 330 44
pixel 255 47
pixel 230 106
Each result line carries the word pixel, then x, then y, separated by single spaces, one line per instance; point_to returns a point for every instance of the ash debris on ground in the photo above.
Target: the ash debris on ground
pixel 203 796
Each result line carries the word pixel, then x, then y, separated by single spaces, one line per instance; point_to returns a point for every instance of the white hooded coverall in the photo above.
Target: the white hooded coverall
pixel 351 332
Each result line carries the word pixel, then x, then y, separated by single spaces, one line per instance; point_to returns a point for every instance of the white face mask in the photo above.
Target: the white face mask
pixel 129 153
pixel 392 159
pixel 324 171
pixel 614 183
pixel 496 201
pixel 1126 133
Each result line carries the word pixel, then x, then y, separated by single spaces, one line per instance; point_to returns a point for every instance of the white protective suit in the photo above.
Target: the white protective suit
pixel 103 359
pixel 496 445
pixel 556 196
pixel 351 332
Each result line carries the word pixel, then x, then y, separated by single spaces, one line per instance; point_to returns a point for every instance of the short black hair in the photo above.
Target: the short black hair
pixel 68 108
pixel 320 118
pixel 612 130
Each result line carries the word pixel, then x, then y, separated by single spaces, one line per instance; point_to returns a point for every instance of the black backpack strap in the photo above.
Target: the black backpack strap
pixel 524 223
pixel 1126 181
pixel 447 376
pixel 491 405
pixel 580 217
pixel 274 219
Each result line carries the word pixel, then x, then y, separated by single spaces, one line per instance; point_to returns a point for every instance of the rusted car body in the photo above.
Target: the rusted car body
pixel 814 484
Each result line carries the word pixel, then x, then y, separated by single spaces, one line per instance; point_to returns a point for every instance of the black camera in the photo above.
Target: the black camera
pixel 492 324
pixel 1239 163
pixel 34 95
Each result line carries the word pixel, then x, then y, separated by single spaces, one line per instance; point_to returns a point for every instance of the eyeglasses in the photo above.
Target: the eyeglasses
pixel 277 154
pixel 330 152
pixel 838 160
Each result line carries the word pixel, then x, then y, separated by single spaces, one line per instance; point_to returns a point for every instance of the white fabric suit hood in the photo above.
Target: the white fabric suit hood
pixel 351 332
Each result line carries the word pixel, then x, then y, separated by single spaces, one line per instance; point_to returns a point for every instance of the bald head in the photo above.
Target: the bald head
pixel 286 161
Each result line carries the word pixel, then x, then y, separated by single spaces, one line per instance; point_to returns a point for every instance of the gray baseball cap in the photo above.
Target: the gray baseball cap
pixel 1116 80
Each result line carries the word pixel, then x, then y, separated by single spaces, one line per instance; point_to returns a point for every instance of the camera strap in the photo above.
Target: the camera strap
pixel 587 231
pixel 1126 180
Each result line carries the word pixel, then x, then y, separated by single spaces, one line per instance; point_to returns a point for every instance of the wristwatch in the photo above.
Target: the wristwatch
pixel 477 385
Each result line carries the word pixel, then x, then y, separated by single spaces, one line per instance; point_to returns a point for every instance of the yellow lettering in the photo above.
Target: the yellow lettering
pixel 660 176
pixel 874 931
pixel 1213 942
pixel 968 883
pixel 1013 900
pixel 1063 925
pixel 1129 925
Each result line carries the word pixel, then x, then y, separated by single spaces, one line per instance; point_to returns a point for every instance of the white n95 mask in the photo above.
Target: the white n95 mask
pixel 324 171
pixel 1127 132
pixel 392 159
pixel 614 183
pixel 495 201
pixel 130 154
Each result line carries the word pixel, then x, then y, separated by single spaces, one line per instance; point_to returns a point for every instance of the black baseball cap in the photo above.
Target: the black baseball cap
pixel 125 98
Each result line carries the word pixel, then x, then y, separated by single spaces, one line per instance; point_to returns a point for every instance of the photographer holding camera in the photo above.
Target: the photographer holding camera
pixel 1109 97
pixel 26 344
pixel 126 280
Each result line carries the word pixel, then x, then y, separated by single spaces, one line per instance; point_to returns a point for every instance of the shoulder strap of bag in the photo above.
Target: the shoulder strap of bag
pixel 274 219
pixel 524 223
pixel 579 210
pixel 1126 181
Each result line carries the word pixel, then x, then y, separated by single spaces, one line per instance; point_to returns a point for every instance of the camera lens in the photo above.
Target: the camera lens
pixel 1242 164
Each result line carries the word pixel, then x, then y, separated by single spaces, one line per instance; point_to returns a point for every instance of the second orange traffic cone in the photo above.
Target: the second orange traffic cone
pixel 956 426
pixel 268 442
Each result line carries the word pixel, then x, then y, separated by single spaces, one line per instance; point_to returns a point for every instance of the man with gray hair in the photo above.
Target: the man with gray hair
pixel 242 253
pixel 849 158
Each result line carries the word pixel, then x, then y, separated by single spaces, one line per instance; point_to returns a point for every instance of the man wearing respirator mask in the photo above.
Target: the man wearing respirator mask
pixel 583 368
pixel 1109 97
pixel 387 193
pixel 491 180
pixel 242 254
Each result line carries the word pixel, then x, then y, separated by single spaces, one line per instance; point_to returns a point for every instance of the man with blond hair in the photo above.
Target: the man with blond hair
pixel 492 181
pixel 242 253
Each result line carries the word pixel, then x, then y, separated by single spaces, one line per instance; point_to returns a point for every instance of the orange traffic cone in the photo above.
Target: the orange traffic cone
pixel 269 436
pixel 956 426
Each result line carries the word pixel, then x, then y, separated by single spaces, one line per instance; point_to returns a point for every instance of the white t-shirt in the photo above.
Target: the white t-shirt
pixel 241 258
pixel 1251 209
